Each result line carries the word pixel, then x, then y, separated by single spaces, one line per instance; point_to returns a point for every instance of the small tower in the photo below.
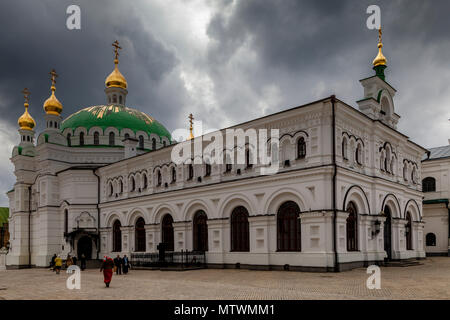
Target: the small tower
pixel 116 84
pixel 26 124
pixel 53 107
pixel 378 102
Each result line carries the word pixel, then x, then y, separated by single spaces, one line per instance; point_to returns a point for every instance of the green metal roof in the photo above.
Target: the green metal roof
pixel 4 214
pixel 119 117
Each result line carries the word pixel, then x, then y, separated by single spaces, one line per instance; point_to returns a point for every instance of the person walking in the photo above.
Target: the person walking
pixel 118 264
pixel 58 264
pixel 74 259
pixel 52 262
pixel 69 261
pixel 125 264
pixel 107 268
pixel 83 262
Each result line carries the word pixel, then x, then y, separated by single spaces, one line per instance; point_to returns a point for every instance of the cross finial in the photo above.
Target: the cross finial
pixel 26 95
pixel 116 51
pixel 53 77
pixel 191 121
pixel 380 33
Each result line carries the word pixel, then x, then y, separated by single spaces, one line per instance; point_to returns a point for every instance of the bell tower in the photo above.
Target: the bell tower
pixel 378 103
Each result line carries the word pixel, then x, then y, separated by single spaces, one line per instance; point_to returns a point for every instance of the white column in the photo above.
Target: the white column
pixel 151 236
pixel 127 239
pixel 417 238
pixel 398 238
pixel 180 235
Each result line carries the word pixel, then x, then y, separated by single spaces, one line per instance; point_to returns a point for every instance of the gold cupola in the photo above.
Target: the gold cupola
pixel 116 79
pixel 52 104
pixel 380 59
pixel 26 121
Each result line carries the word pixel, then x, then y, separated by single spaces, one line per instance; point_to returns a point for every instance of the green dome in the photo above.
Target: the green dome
pixel 119 117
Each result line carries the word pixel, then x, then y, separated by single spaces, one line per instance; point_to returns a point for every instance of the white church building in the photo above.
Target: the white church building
pixel 347 192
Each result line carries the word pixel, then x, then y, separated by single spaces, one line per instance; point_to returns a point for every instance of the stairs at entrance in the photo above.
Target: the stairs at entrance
pixel 403 263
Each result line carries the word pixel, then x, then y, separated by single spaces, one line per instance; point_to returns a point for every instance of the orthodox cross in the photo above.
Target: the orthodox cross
pixel 116 49
pixel 379 35
pixel 191 121
pixel 53 77
pixel 26 95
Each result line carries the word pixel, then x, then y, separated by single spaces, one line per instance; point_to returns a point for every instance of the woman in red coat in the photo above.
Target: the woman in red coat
pixel 107 268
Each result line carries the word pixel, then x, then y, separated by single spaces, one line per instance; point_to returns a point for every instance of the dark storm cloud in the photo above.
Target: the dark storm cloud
pixel 35 39
pixel 302 43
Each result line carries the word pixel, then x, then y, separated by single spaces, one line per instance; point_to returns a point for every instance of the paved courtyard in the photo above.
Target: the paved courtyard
pixel 428 281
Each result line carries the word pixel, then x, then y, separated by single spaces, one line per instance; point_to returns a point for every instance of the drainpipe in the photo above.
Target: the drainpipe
pixel 29 226
pixel 333 111
pixel 98 211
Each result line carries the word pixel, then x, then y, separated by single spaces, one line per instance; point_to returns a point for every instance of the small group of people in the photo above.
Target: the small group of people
pixel 118 265
pixel 57 262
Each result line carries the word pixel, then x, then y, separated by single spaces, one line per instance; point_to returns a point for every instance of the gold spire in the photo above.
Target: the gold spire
pixel 191 121
pixel 26 122
pixel 52 104
pixel 116 79
pixel 380 59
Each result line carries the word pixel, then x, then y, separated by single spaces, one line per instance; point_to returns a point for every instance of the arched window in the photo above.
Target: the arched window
pixel 240 240
pixel 174 174
pixel 301 148
pixel 153 144
pixel 69 142
pixel 117 237
pixel 207 170
pixel 288 227
pixel 141 142
pixel 413 174
pixel 120 99
pixel 96 138
pixel 159 181
pixel 139 232
pixel 167 232
pixel 405 172
pixel 112 139
pixel 133 184
pixel 429 184
pixel 145 181
pixel 358 154
pixel 248 160
pixel 344 149
pixel 121 186
pixel 81 138
pixel 190 171
pixel 200 229
pixel 114 99
pixel 111 189
pixel 430 240
pixel 352 228
pixel 408 231
pixel 66 221
pixel 127 136
pixel 164 143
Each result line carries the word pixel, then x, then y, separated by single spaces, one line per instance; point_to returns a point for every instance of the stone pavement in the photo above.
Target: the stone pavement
pixel 428 281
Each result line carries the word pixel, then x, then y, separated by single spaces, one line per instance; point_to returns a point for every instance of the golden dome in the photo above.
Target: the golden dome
pixel 26 121
pixel 380 59
pixel 116 79
pixel 52 104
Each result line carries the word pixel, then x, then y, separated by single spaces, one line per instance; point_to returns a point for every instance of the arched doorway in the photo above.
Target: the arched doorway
pixel 167 232
pixel 84 246
pixel 200 230
pixel 117 237
pixel 408 231
pixel 388 232
pixel 352 228
pixel 289 227
pixel 139 234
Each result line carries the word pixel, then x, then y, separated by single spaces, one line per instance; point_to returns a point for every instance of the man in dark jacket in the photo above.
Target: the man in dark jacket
pixel 125 264
pixel 118 264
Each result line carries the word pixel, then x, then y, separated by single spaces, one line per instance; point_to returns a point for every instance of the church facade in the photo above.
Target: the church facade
pixel 347 191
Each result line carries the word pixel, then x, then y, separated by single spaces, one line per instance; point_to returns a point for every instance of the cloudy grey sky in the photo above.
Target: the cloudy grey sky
pixel 224 61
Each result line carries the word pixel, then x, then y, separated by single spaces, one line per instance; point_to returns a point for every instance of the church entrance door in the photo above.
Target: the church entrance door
pixel 388 233
pixel 84 246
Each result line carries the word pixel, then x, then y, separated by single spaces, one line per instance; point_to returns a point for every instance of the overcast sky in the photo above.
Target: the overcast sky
pixel 224 61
